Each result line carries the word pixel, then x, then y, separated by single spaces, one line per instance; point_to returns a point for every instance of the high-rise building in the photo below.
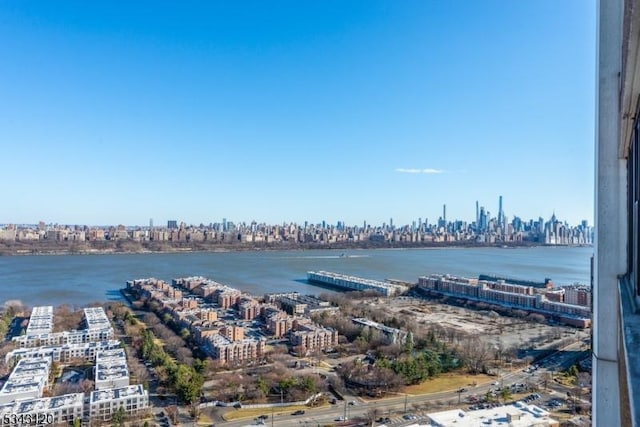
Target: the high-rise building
pixel 172 224
pixel 444 213
pixel 500 213
pixel 616 263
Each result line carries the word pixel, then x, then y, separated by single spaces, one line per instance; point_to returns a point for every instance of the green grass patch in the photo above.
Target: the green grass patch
pixel 449 381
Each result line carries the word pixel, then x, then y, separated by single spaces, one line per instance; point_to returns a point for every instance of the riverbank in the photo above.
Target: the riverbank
pixel 131 247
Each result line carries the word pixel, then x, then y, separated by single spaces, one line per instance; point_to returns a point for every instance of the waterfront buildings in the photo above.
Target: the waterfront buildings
pixel 41 321
pixel 511 295
pixel 354 283
pixel 232 327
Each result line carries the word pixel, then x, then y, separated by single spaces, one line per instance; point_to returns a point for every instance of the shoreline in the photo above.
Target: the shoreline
pixel 86 249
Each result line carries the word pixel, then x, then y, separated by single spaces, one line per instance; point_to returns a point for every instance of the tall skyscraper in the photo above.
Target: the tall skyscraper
pixel 477 216
pixel 500 213
pixel 150 223
pixel 444 213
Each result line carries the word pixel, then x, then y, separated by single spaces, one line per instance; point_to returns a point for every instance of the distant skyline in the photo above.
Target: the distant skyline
pixel 287 111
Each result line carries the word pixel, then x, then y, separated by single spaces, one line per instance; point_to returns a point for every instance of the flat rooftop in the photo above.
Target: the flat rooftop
pixel 516 415
pixel 117 393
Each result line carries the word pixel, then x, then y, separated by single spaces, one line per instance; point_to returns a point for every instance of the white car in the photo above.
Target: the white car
pixel 495 383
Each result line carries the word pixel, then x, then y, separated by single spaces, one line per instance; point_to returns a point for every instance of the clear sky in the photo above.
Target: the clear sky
pixel 117 112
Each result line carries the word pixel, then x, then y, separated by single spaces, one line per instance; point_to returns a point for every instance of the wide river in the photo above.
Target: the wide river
pixel 82 279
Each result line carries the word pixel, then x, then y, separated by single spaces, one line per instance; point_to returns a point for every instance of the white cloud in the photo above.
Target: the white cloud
pixel 427 171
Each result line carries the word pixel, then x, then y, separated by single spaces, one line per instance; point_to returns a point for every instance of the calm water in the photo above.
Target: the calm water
pixel 81 279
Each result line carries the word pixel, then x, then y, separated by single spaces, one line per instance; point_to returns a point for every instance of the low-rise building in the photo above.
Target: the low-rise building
pixel 516 415
pixel 313 337
pixel 96 318
pixel 103 404
pixel 40 321
pixel 111 369
pixel 230 352
pixel 46 411
pixel 28 380
pixel 65 353
pixel 65 337
pixel 392 335
pixel 354 283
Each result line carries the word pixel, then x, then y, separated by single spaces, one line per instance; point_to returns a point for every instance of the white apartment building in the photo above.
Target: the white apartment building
pixel 62 338
pixel 111 370
pixel 41 320
pixel 354 283
pixel 96 318
pixel 44 411
pixel 104 403
pixel 28 380
pixel 86 352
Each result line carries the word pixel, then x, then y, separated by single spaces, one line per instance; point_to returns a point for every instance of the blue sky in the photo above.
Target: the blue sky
pixel 291 111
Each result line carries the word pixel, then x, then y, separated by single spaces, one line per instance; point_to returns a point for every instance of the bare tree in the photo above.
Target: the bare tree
pixel 474 352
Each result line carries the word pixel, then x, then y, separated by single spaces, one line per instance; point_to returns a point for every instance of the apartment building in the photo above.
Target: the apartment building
pixel 111 371
pixel 103 404
pixel 248 308
pixel 577 296
pixel 95 318
pixel 226 297
pixel 392 335
pixel 28 380
pixel 509 295
pixel 354 283
pixel 62 409
pixel 230 352
pixel 65 353
pixel 313 337
pixel 63 338
pixel 40 321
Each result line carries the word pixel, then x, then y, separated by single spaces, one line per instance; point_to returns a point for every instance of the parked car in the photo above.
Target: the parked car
pixel 298 412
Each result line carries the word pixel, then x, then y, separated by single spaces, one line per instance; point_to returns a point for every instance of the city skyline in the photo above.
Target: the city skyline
pixel 499 215
pixel 290 112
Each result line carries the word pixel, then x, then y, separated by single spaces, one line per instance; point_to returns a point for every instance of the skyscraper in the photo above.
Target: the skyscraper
pixel 477 216
pixel 444 213
pixel 500 213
